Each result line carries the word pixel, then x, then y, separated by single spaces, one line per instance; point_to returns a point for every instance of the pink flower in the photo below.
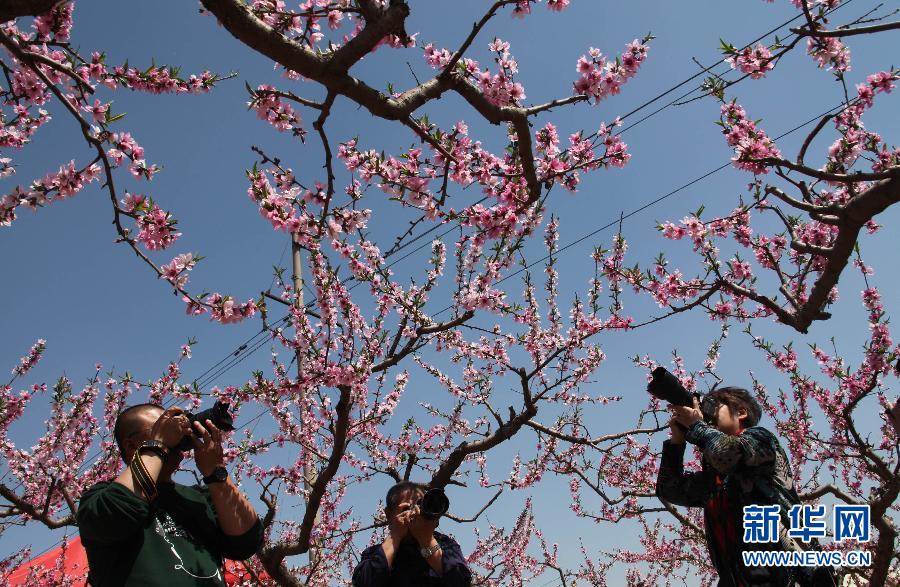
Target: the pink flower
pixel 601 77
pixel 756 61
pixel 224 309
pixel 882 81
pixel 437 58
pixel 672 231
pixel 557 5
pixel 175 271
pixel 157 229
pixel 133 202
pixel 98 110
pixel 830 52
pixel 334 19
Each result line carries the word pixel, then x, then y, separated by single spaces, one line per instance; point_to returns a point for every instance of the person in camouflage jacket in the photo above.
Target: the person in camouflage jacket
pixel 743 464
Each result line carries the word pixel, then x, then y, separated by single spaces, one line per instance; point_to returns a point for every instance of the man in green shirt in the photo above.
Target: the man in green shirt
pixel 143 529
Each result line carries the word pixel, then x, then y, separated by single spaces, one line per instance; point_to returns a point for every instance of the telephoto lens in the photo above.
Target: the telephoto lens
pixel 434 504
pixel 666 387
pixel 218 414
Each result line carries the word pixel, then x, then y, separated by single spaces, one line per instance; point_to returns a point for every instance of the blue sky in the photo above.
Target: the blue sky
pixel 65 280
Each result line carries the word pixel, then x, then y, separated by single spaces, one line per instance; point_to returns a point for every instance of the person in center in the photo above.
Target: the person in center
pixel 413 553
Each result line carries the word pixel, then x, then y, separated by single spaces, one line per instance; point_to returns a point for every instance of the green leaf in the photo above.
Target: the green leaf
pixel 726 47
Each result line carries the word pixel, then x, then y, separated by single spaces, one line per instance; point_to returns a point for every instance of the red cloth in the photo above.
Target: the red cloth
pixel 76 565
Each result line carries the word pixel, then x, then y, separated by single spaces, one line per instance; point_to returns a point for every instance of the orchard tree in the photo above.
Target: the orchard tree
pixel 791 275
pixel 351 350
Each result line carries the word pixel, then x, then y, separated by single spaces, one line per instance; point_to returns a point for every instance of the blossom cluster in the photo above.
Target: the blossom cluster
pixel 602 77
pixel 755 61
pixel 31 359
pixel 175 271
pixel 830 53
pixel 53 187
pixel 749 142
pixel 157 227
pixel 269 106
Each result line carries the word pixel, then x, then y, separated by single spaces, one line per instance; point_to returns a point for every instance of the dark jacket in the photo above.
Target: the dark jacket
pixel 409 569
pixel 748 469
pixel 175 541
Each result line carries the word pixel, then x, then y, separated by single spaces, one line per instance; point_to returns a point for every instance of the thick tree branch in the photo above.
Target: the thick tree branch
pixel 850 220
pixel 10 9
pixel 826 176
pixel 456 458
pixel 273 556
pixel 22 506
pixel 389 22
pixel 331 70
pixel 855 214
pixel 847 32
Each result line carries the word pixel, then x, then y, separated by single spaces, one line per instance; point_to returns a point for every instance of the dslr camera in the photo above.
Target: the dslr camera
pixel 218 414
pixel 666 387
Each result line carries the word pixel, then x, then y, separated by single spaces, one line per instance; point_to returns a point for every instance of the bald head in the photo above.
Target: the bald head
pixel 133 425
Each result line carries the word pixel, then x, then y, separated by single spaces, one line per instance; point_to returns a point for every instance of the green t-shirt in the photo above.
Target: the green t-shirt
pixel 175 541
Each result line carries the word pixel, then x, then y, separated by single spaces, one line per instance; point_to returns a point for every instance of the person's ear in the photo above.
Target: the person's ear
pixel 742 415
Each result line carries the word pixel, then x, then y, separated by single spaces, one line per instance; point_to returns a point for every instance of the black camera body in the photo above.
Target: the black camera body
pixel 666 387
pixel 434 504
pixel 218 414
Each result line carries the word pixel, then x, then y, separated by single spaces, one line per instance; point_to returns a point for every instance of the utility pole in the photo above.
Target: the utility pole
pixel 309 470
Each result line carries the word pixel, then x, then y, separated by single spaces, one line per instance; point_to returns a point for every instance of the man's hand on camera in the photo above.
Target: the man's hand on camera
pixel 677 432
pixel 421 528
pixel 170 427
pixel 208 453
pixel 399 524
pixel 687 416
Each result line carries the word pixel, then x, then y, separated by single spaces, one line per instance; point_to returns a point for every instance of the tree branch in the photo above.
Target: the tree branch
pixel 11 9
pixel 25 507
pixel 847 32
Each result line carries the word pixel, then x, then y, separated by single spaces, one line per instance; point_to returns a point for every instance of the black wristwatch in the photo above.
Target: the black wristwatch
pixel 154 446
pixel 218 475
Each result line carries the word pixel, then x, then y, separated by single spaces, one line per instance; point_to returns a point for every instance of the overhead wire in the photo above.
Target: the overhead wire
pixel 632 112
pixel 241 353
pixel 235 357
pixel 647 205
pixel 644 105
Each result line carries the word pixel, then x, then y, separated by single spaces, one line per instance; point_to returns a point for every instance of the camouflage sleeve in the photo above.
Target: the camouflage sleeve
pixel 676 486
pixel 755 446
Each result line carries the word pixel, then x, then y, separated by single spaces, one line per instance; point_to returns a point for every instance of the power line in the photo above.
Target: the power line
pixel 643 207
pixel 235 357
pixel 707 70
pixel 445 233
pixel 626 128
